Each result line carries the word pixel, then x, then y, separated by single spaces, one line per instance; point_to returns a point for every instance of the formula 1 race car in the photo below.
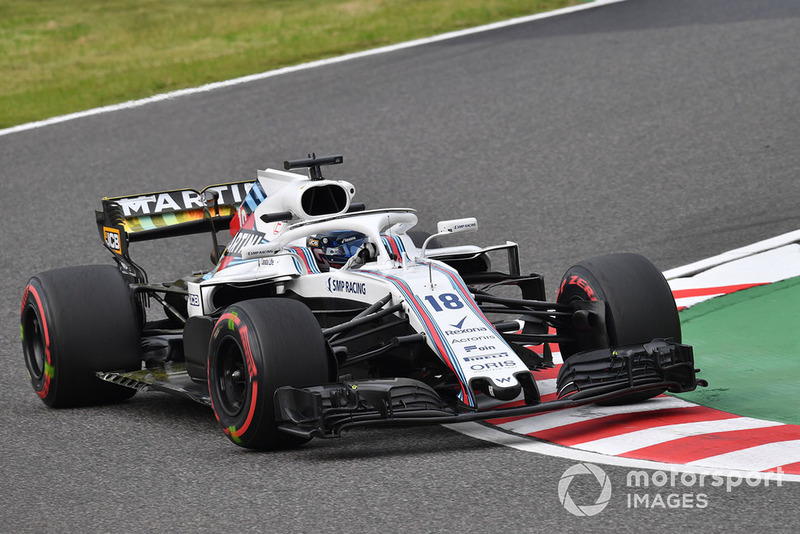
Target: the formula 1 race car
pixel 321 315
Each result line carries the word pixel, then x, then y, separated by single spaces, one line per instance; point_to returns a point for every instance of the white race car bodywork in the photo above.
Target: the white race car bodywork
pixel 320 316
pixel 434 298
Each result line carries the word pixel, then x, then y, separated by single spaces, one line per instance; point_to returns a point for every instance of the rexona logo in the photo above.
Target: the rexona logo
pixel 344 286
pixel 460 330
pixel 466 331
pixel 460 323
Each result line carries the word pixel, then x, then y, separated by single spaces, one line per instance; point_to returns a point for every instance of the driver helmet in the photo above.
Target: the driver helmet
pixel 333 249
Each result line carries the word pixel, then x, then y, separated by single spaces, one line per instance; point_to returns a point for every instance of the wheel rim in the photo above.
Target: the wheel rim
pixel 231 381
pixel 33 344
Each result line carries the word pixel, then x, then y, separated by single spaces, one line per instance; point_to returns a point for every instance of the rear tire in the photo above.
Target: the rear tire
pixel 639 305
pixel 256 347
pixel 77 321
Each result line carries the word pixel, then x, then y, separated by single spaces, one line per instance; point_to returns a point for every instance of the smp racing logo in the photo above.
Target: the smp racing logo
pixel 344 286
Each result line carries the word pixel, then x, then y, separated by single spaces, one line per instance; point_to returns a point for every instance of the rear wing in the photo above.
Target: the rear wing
pixel 168 213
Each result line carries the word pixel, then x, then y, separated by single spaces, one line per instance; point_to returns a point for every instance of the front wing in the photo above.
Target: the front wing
pixel 589 377
pixel 326 410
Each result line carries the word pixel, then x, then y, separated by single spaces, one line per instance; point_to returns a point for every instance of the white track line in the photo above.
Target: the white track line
pixel 527 444
pixel 732 255
pixel 640 439
pixel 549 420
pixel 755 458
pixel 764 267
pixel 304 66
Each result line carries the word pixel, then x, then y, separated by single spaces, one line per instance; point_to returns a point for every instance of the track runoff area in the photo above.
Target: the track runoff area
pixel 736 312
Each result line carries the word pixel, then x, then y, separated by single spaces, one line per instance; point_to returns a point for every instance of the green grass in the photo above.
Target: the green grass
pixel 62 56
pixel 746 346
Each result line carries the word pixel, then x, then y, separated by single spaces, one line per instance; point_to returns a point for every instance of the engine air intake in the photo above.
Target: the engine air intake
pixel 324 199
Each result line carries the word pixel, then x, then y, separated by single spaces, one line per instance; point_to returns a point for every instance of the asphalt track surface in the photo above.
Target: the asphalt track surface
pixel 662 127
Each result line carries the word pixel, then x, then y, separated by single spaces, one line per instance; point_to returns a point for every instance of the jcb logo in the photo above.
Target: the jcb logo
pixel 112 239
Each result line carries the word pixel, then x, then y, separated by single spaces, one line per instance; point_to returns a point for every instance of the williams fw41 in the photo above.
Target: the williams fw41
pixel 320 315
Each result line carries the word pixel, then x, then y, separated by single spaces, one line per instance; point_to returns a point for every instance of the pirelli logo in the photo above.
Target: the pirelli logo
pixel 112 239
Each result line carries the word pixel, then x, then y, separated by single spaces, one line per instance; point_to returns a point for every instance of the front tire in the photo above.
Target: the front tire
pixel 256 347
pixel 75 322
pixel 639 305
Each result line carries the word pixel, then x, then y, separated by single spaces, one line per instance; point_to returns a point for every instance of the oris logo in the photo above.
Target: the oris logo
pixel 492 366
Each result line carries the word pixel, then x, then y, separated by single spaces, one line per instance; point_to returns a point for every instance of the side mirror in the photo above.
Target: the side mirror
pixel 454 226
